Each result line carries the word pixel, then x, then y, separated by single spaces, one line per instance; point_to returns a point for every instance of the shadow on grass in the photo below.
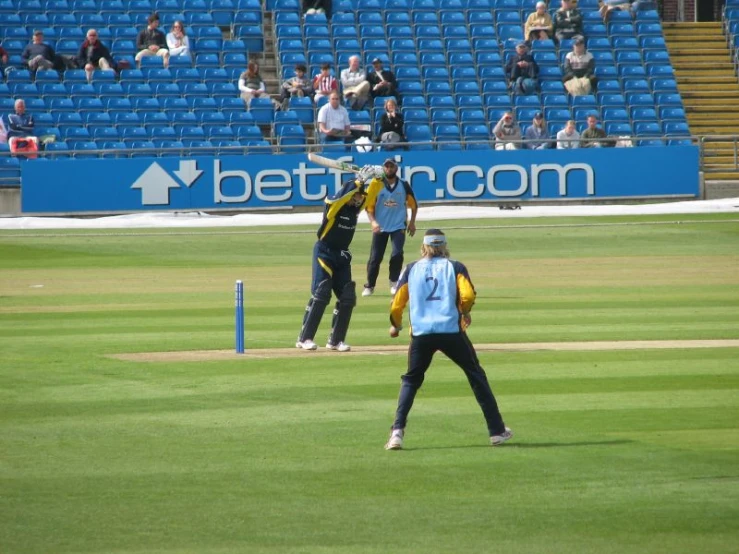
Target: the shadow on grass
pixel 615 442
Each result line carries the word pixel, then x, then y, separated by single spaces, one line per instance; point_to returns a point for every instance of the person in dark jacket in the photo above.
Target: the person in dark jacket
pixel 152 42
pixel 93 54
pixel 20 123
pixel 38 55
pixel 522 71
pixel 567 21
pixel 391 126
pixel 382 81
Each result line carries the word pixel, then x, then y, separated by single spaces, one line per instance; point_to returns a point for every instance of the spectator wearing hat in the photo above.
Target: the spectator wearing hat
pixel 152 42
pixel 522 71
pixel 539 24
pixel 579 72
pixel 567 21
pixel 93 55
pixel 382 80
pixel 507 133
pixel 324 83
pixel 568 137
pixel 298 85
pixel 536 135
pixel 354 85
pixel 38 55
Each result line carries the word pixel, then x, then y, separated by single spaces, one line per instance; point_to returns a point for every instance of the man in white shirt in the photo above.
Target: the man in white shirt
pixel 333 121
pixel 568 137
pixel 355 85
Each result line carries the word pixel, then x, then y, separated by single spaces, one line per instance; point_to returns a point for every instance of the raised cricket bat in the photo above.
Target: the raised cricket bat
pixel 335 164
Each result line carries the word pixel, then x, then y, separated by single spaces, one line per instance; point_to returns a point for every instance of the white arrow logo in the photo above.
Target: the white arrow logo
pixel 188 172
pixel 155 184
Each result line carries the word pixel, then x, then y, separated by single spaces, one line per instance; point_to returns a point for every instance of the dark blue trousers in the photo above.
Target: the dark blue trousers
pixel 331 263
pixel 377 253
pixel 458 348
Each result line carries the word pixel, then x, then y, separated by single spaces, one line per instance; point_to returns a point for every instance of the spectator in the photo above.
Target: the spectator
pixel 38 55
pixel 20 124
pixel 593 135
pixel 178 43
pixel 568 137
pixel 251 84
pixel 538 25
pixel 355 85
pixel 567 21
pixel 94 55
pixel 333 121
pixel 608 6
pixel 579 74
pixel 298 85
pixel 382 80
pixel 19 135
pixel 507 133
pixel 536 135
pixel 324 83
pixel 311 7
pixel 4 67
pixel 391 126
pixel 152 42
pixel 522 71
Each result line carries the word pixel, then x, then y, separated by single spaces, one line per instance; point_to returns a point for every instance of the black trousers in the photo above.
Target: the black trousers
pixel 458 348
pixel 377 253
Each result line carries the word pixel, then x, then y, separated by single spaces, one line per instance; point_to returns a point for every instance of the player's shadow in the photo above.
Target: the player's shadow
pixel 615 442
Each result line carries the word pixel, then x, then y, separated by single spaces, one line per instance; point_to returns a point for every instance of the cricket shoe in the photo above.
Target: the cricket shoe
pixel 306 345
pixel 497 440
pixel 393 287
pixel 341 347
pixel 368 291
pixel 396 440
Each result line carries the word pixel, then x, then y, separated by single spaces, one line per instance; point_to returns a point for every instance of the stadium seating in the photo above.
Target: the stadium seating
pixel 448 56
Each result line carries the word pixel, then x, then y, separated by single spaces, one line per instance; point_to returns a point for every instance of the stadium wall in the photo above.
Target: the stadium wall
pixel 234 183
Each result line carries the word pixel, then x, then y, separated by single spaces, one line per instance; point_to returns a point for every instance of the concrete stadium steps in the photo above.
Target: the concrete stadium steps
pixel 707 81
pixel 270 70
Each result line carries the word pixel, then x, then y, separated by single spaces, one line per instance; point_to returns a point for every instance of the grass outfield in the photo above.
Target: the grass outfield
pixel 615 451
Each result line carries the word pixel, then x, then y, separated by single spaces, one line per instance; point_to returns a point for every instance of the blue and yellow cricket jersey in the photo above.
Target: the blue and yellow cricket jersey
pixel 439 291
pixel 340 217
pixel 390 205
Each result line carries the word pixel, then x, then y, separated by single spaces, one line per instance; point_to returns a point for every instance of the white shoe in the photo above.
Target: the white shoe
pixel 368 291
pixel 341 347
pixel 396 440
pixel 393 287
pixel 306 345
pixel 497 440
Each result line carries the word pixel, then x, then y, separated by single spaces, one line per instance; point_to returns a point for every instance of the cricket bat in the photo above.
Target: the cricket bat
pixel 335 164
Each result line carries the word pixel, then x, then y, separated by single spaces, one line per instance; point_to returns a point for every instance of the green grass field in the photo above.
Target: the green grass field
pixel 616 451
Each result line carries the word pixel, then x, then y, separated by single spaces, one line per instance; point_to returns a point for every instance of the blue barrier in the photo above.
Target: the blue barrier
pixel 263 181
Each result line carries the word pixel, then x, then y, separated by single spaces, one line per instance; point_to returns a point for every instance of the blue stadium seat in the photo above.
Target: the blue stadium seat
pixel 57 150
pixel 443 115
pixel 668 99
pixel 415 115
pixel 421 134
pixel 647 129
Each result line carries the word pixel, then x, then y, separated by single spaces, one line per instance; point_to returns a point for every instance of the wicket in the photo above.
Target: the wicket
pixel 239 317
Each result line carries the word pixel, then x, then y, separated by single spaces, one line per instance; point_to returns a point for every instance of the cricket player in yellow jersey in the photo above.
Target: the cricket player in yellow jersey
pixel 441 296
